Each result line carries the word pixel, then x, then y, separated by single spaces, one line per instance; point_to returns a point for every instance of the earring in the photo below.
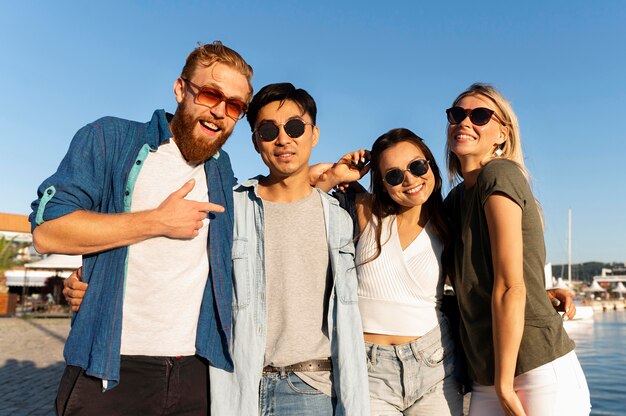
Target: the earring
pixel 499 152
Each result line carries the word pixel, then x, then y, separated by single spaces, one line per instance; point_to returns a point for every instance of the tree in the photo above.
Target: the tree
pixel 9 250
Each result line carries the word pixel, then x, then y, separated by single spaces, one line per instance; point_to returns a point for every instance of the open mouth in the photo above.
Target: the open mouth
pixel 464 138
pixel 210 126
pixel 284 156
pixel 414 190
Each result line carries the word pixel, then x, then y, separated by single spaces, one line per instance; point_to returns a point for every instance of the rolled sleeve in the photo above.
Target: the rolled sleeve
pixel 78 182
pixel 504 177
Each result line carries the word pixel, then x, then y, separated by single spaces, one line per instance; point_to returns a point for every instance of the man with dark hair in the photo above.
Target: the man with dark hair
pixel 149 206
pixel 297 338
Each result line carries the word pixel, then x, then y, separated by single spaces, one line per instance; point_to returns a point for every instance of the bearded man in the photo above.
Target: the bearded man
pixel 149 206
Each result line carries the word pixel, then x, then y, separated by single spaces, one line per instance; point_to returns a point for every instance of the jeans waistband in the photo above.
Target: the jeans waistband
pixel 152 359
pixel 439 334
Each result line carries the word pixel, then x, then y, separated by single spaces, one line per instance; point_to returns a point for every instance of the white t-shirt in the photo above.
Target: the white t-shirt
pixel 166 277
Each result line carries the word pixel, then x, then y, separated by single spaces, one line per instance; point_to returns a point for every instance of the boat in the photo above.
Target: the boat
pixel 583 312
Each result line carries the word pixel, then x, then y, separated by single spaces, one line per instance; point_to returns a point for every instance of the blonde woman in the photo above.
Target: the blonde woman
pixel 520 359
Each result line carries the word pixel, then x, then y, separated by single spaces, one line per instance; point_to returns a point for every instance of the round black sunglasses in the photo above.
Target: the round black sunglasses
pixel 418 167
pixel 268 131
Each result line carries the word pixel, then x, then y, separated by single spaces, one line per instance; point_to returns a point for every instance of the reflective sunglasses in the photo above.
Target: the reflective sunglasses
pixel 294 128
pixel 210 97
pixel 478 116
pixel 417 168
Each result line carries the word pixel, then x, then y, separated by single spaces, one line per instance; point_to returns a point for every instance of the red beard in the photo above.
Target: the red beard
pixel 194 148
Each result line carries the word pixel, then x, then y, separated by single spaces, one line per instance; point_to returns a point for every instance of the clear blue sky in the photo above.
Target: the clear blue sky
pixel 371 66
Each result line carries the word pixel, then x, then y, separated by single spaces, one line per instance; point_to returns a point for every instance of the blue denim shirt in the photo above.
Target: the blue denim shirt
pixel 98 174
pixel 237 393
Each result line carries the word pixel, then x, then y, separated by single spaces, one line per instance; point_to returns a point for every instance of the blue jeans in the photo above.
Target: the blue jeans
pixel 417 378
pixel 286 394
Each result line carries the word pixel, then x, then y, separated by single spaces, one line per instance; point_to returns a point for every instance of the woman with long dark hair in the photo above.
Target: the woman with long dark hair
pixel 401 238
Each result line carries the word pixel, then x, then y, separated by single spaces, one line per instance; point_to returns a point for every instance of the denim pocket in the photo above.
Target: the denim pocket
pixel 435 357
pixel 346 282
pixel 241 274
pixel 440 353
pixel 297 385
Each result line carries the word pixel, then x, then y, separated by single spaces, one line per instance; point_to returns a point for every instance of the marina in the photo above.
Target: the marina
pixel 601 349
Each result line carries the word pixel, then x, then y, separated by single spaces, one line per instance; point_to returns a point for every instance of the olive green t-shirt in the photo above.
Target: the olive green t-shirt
pixel 544 338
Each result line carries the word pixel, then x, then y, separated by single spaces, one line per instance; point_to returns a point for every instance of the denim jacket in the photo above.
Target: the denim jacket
pixel 237 393
pixel 98 174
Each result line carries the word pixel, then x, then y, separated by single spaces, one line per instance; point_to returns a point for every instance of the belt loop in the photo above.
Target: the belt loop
pixel 415 350
pixel 283 373
pixel 373 353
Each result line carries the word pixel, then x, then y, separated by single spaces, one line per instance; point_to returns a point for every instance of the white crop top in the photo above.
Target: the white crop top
pixel 400 291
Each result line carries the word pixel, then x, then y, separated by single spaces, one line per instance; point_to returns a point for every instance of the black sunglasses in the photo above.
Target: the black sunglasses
pixel 268 131
pixel 417 168
pixel 478 116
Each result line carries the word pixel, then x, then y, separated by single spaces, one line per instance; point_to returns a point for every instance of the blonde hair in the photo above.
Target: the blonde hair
pixel 211 53
pixel 512 146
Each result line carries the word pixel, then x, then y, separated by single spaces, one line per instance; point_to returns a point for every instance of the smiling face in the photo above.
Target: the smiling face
pixel 285 156
pixel 200 131
pixel 413 191
pixel 473 144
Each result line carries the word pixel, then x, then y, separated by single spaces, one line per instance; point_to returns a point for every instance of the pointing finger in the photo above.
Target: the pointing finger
pixel 209 207
pixel 185 189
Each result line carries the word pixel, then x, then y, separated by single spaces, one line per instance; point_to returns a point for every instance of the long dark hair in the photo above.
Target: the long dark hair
pixel 383 205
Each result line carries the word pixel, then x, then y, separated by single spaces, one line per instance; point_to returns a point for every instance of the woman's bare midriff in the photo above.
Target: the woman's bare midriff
pixel 382 339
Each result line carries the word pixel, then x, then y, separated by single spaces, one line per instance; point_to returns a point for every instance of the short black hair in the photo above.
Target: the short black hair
pixel 282 91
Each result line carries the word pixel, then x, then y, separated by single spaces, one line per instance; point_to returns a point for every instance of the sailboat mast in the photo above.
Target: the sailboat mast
pixel 569 246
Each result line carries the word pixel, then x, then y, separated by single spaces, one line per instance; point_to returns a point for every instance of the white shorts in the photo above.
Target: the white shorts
pixel 556 388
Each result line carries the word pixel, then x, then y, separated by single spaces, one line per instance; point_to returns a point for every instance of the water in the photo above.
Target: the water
pixel 601 349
